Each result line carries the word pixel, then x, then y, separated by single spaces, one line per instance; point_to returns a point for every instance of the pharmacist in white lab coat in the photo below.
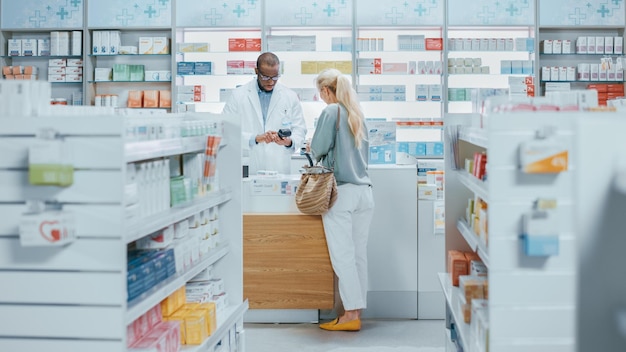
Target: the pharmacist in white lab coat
pixel 265 106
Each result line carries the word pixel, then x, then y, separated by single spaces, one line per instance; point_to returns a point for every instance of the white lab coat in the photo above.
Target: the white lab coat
pixel 284 107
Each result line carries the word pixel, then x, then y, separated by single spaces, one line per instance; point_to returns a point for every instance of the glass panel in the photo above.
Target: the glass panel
pixel 401 13
pixel 491 12
pixel 308 13
pixel 122 13
pixel 228 13
pixel 42 14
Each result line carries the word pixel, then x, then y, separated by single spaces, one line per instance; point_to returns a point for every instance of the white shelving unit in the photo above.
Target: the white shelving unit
pixel 601 303
pixel 151 62
pixel 74 298
pixel 532 304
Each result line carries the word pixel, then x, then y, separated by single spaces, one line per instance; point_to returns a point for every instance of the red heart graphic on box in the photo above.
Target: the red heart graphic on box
pixel 50 230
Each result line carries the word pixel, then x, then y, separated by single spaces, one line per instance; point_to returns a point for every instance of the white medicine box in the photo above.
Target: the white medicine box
pixel 146 45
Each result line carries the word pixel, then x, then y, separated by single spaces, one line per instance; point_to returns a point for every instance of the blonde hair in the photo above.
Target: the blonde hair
pixel 339 84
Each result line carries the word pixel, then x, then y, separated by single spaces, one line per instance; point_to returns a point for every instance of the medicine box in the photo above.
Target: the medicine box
pixel 253 44
pixel 146 45
pixel 105 43
pixel 185 67
pixel 29 47
pixel 557 44
pixel 15 47
pixel 77 43
pixel 160 45
pixel 43 47
pixel 202 68
pixel 115 44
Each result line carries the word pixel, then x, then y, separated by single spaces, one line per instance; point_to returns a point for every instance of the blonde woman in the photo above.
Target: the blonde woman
pixel 346 224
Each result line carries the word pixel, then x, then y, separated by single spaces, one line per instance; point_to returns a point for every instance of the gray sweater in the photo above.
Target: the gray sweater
pixel 350 162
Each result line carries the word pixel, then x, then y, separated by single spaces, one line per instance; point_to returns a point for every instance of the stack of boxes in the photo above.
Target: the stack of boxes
pixel 589 45
pixel 193 47
pixel 291 43
pixel 240 67
pixel 607 92
pixel 150 333
pixel 345 44
pixel 244 44
pixel 197 320
pixel 492 44
pixel 186 68
pixel 148 268
pixel 362 44
pixel 20 72
pixel 65 70
pixel 381 92
pixel 315 67
pixel 190 94
pixel 428 92
pixel 59 44
pixel 110 43
pixel 466 65
pixel 149 99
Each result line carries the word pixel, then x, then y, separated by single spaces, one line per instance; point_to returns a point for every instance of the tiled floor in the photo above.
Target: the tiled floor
pixel 375 335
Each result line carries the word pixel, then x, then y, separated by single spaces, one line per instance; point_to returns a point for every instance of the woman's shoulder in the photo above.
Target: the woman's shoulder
pixel 331 109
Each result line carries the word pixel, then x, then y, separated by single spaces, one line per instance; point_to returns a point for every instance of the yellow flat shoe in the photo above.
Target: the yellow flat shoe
pixel 330 323
pixel 352 325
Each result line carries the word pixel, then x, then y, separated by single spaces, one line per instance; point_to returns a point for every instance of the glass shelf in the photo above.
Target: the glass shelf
pixel 129 81
pixel 42 57
pixel 127 55
pixel 590 82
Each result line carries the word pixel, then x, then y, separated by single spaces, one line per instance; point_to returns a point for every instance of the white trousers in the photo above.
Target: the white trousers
pixel 347 226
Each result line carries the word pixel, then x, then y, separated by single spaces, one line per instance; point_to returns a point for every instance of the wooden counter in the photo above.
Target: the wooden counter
pixel 286 263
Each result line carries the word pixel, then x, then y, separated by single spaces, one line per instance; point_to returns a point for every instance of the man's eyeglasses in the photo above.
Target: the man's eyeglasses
pixel 267 78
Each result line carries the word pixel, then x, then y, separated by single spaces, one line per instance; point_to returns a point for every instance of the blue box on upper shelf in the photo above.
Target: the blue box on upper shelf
pixel 202 68
pixel 185 68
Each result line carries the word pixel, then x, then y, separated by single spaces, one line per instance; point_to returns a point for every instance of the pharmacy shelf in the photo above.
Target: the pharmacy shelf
pixel 581 54
pixel 607 82
pixel 150 224
pixel 451 292
pixel 477 244
pixel 225 320
pixel 474 135
pixel 490 52
pixel 156 294
pixel 43 57
pixel 130 55
pixel 475 185
pixel 136 151
pixel 140 82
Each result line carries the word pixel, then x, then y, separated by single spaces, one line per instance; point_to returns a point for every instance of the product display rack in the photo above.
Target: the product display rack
pixel 151 62
pixel 60 90
pixel 490 60
pixel 85 280
pixel 394 51
pixel 217 41
pixel 599 219
pixel 573 59
pixel 531 303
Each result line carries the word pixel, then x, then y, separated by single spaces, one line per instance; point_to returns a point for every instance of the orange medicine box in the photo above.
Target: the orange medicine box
pixel 135 99
pixel 457 265
pixel 434 43
pixel 165 99
pixel 150 98
pixel 236 44
pixel 253 44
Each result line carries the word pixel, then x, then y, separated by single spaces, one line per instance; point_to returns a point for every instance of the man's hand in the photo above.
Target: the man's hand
pixel 272 137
